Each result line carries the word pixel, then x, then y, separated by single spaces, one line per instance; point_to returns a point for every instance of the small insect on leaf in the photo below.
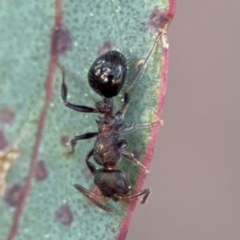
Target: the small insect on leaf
pixel 106 77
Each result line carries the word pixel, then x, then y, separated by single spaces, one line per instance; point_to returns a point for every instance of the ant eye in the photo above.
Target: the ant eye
pixel 107 74
pixel 119 71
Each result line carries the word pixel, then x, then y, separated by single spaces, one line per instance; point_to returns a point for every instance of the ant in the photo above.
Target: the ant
pixel 106 77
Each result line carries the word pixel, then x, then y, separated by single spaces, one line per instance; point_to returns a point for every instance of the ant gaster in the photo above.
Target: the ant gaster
pixel 106 77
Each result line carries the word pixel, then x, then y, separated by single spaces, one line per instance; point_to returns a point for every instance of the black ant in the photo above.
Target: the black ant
pixel 106 77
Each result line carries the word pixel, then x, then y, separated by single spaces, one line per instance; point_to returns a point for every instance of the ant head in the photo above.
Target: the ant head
pixel 112 183
pixel 107 74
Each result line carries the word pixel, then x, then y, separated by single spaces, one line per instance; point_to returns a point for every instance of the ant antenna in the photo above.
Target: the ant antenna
pixel 141 69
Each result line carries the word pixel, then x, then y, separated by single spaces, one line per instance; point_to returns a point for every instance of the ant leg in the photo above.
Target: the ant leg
pixel 74 140
pixel 120 114
pixel 142 67
pixel 145 193
pixel 130 156
pixel 75 107
pixel 88 194
pixel 91 167
pixel 92 197
pixel 122 144
pixel 127 128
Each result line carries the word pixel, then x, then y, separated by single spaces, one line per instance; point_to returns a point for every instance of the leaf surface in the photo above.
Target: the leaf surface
pixel 36 179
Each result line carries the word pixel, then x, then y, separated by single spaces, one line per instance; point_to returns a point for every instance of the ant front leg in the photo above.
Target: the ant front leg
pixel 138 73
pixel 78 108
pixel 145 193
pixel 120 114
pixel 74 140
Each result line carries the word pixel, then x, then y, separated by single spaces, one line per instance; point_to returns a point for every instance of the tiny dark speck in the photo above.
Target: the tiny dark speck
pixel 113 230
pixel 64 215
pixel 3 141
pixel 61 41
pixel 14 195
pixel 40 171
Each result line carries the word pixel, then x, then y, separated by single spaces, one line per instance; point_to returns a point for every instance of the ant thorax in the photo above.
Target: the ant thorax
pixel 105 106
pixel 107 125
pixel 106 149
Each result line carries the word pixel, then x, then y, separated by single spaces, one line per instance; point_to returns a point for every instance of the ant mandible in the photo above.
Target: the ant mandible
pixel 106 77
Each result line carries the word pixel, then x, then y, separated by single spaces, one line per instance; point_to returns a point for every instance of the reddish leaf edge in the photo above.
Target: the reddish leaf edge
pixel 169 14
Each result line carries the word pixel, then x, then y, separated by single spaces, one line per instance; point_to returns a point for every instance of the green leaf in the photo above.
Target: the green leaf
pixel 38 200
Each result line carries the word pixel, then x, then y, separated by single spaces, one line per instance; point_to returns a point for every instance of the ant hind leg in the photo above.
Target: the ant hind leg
pixel 145 193
pixel 92 197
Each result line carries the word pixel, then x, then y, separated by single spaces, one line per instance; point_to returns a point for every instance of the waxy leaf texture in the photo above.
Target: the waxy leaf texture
pixel 37 198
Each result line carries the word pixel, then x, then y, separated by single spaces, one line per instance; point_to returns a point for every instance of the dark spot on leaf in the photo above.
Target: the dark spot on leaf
pixel 14 195
pixel 64 215
pixel 85 206
pixel 6 116
pixel 3 141
pixel 61 41
pixel 158 19
pixel 64 140
pixel 40 171
pixel 113 230
pixel 107 46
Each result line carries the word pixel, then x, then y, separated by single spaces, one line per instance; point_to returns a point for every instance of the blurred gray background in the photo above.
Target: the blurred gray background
pixel 195 173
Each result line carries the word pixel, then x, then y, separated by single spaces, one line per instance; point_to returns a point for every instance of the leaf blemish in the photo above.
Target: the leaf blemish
pixel 158 19
pixel 64 141
pixel 41 172
pixel 6 116
pixel 3 141
pixel 14 195
pixel 64 215
pixel 107 46
pixel 6 159
pixel 61 40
